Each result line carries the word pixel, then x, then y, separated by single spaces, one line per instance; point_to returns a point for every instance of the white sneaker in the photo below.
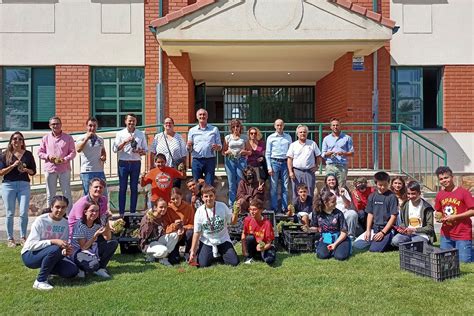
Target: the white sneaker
pixel 165 262
pixel 102 273
pixel 81 274
pixel 248 261
pixel 44 286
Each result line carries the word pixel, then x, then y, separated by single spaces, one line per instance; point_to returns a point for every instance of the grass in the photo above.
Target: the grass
pixel 298 284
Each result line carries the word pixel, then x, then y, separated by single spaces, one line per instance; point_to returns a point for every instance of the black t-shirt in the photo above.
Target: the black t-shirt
pixel 382 206
pixel 306 206
pixel 14 174
pixel 330 223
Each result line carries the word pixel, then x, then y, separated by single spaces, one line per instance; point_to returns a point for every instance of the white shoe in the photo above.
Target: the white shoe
pixel 81 274
pixel 44 286
pixel 102 273
pixel 248 261
pixel 165 262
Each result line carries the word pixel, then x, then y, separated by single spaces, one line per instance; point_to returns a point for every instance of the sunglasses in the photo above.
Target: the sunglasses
pixel 253 133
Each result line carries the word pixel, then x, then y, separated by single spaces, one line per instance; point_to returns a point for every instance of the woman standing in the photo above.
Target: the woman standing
pixel 172 145
pixel 16 166
pixel 256 159
pixel 236 149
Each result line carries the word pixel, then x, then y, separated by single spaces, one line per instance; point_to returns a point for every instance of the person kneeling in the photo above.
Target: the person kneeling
pixel 211 238
pixel 92 244
pixel 416 218
pixel 258 235
pixel 333 227
pixel 154 241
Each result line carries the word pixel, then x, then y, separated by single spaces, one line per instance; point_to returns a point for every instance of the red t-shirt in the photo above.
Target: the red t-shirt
pixel 262 230
pixel 360 198
pixel 161 181
pixel 451 203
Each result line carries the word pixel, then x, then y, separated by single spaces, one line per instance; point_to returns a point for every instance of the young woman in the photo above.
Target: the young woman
pixel 236 149
pixel 47 245
pixel 343 203
pixel 256 159
pixel 331 223
pixel 16 166
pixel 92 244
pixel 397 186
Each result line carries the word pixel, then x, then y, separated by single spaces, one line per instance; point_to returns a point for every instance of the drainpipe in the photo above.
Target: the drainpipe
pixel 375 102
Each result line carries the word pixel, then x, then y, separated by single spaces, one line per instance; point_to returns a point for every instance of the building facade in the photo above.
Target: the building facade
pixel 257 60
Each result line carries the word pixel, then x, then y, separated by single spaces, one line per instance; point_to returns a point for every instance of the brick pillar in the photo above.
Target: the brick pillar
pixel 151 62
pixel 180 89
pixel 73 96
pixel 458 98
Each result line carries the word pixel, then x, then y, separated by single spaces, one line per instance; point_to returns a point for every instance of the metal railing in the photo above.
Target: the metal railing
pixel 401 149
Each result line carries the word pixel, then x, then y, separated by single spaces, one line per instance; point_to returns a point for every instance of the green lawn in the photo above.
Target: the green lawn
pixel 298 284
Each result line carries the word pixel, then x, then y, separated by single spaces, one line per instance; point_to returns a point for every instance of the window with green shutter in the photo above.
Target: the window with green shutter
pixel 117 91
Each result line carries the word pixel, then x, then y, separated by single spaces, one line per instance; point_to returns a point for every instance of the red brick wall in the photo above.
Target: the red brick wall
pixel 73 96
pixel 180 89
pixel 458 98
pixel 151 62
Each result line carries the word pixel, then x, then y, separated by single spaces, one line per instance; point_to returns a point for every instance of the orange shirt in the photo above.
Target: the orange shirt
pixel 186 213
pixel 161 181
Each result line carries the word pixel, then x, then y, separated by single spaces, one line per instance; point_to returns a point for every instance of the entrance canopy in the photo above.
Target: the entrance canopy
pixel 269 41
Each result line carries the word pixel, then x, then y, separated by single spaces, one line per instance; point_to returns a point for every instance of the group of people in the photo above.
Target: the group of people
pixel 75 239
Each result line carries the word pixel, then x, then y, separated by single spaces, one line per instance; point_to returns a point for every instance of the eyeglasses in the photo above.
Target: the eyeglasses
pixel 17 139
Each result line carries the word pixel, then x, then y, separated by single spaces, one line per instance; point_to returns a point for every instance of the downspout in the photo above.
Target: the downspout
pixel 375 102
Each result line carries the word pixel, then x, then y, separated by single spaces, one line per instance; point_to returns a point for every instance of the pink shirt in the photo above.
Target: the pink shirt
pixel 62 146
pixel 77 211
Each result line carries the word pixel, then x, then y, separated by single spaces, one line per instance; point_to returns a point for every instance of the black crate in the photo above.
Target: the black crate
pixel 129 244
pixel 423 259
pixel 298 241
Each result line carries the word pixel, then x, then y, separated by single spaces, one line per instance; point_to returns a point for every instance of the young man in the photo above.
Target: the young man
pixel 336 147
pixel 360 197
pixel 130 144
pixel 276 157
pixel 203 142
pixel 211 238
pixel 416 218
pixel 57 150
pixel 454 207
pixel 194 197
pixel 93 155
pixel 303 205
pixel 382 211
pixel 258 235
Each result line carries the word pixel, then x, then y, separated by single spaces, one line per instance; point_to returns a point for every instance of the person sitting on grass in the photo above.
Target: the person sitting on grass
pixel 211 237
pixel 303 205
pixel 416 217
pixel 249 189
pixel 186 213
pixel 92 243
pixel 195 197
pixel 330 222
pixel 360 196
pixel 258 235
pixel 158 235
pixel 382 212
pixel 161 179
pixel 47 246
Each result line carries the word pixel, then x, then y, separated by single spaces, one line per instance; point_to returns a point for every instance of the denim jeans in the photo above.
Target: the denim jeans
pixel 128 169
pixel 64 183
pixel 11 192
pixel 269 255
pixel 204 168
pixel 50 261
pixel 91 263
pixel 226 250
pixel 234 169
pixel 463 246
pixel 280 175
pixel 342 251
pixel 88 176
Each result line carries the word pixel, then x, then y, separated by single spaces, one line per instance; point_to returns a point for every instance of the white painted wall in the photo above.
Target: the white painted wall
pixel 459 148
pixel 433 32
pixel 89 32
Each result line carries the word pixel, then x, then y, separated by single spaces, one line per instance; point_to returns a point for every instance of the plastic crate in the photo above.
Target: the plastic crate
pixel 423 259
pixel 298 241
pixel 129 244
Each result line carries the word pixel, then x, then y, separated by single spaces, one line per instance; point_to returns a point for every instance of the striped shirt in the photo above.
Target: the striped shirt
pixel 176 144
pixel 82 231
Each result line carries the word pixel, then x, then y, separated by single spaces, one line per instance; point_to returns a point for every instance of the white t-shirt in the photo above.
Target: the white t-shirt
pixel 340 202
pixel 212 223
pixel 90 155
pixel 414 217
pixel 304 155
pixel 236 145
pixel 44 229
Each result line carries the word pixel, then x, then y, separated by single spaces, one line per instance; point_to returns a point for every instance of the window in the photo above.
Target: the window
pixel 28 97
pixel 417 97
pixel 116 92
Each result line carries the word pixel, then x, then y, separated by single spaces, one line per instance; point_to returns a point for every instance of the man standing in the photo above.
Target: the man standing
pixel 275 155
pixel 203 142
pixel 130 144
pixel 57 150
pixel 303 160
pixel 454 207
pixel 337 146
pixel 93 155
